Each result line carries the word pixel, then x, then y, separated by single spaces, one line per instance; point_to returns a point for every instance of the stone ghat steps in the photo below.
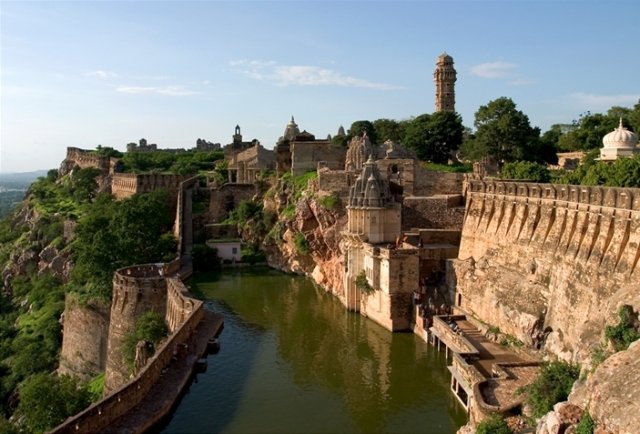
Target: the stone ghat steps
pixel 164 395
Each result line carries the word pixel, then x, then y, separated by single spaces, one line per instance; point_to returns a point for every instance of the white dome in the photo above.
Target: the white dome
pixel 620 138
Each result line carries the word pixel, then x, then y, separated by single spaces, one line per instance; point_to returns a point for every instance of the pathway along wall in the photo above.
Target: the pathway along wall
pixel 103 413
pixel 549 264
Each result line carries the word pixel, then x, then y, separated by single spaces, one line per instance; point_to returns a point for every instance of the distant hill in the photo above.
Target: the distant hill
pixel 13 187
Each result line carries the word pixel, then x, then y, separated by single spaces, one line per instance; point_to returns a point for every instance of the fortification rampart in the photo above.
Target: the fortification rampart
pixel 443 211
pixel 85 158
pixel 227 197
pixel 136 290
pixel 125 185
pixel 183 214
pixel 105 412
pixel 84 338
pixel 549 264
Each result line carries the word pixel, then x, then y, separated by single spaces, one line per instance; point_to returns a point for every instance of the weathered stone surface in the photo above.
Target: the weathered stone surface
pixel 48 253
pixel 610 394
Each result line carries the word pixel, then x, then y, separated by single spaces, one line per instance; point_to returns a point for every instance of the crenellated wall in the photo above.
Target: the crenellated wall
pixel 85 158
pixel 125 185
pixel 549 264
pixel 136 290
pixel 102 414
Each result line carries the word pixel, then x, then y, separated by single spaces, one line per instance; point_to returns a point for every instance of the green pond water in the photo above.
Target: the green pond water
pixel 293 360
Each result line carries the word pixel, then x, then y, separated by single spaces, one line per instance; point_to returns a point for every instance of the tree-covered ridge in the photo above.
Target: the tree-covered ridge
pixel 181 163
pixel 108 234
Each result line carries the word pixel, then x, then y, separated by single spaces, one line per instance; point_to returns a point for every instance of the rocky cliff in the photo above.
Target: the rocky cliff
pixel 319 217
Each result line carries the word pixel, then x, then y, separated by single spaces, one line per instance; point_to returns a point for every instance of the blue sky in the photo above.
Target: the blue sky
pixel 86 73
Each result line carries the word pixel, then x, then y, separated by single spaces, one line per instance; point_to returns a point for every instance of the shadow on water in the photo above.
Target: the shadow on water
pixel 293 359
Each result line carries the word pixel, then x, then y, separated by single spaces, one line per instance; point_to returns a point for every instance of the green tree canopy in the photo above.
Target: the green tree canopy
pixel 525 170
pixel 503 133
pixel 114 234
pixel 435 136
pixel 46 400
pixel 389 129
pixel 360 127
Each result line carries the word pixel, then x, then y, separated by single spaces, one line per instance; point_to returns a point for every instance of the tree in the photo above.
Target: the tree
pixel 434 137
pixel 588 132
pixel 360 127
pixel 552 385
pixel 503 133
pixel 389 129
pixel 525 170
pixel 47 400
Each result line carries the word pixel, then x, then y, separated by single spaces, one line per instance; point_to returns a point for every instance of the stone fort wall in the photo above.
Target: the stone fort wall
pixel 103 413
pixel 125 185
pixel 136 290
pixel 443 211
pixel 84 341
pixel 85 158
pixel 227 197
pixel 549 264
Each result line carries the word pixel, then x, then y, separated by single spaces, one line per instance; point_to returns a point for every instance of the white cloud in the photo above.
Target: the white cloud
pixel 166 90
pixel 606 101
pixel 521 81
pixel 497 69
pixel 102 74
pixel 302 75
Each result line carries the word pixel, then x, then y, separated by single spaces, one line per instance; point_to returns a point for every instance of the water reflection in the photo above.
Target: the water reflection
pixel 293 360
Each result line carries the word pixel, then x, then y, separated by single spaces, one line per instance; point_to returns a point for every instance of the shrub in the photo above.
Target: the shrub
pixel 623 334
pixel 301 243
pixel 552 386
pixel 525 170
pixel 586 424
pixel 329 202
pixel 150 327
pixel 204 257
pixel 363 284
pixel 493 425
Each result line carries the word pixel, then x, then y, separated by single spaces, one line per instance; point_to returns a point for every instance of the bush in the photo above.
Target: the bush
pixel 47 400
pixel 552 386
pixel 586 424
pixel 204 257
pixel 329 202
pixel 623 334
pixel 363 284
pixel 150 327
pixel 301 243
pixel 493 425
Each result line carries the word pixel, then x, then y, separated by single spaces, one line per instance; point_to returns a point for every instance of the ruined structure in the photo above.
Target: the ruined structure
pixel 142 146
pixel 83 159
pixel 300 152
pixel 238 145
pixel 245 166
pixel 445 77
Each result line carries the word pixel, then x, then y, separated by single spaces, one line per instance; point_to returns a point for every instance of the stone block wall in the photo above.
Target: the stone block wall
pixel 85 158
pixel 305 155
pixel 437 212
pixel 227 197
pixel 125 185
pixel 335 181
pixel 136 290
pixel 84 338
pixel 430 183
pixel 103 413
pixel 549 264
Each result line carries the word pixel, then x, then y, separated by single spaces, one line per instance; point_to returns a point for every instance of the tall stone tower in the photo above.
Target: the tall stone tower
pixel 445 78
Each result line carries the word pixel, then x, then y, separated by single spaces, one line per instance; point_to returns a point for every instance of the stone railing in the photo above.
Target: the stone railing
pixel 466 348
pixel 103 413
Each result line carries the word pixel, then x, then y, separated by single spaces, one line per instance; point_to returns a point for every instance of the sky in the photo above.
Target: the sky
pixel 89 73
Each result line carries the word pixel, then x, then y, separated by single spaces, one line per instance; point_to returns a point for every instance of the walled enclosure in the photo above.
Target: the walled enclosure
pixel 550 264
pixel 125 185
pixel 183 315
pixel 305 156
